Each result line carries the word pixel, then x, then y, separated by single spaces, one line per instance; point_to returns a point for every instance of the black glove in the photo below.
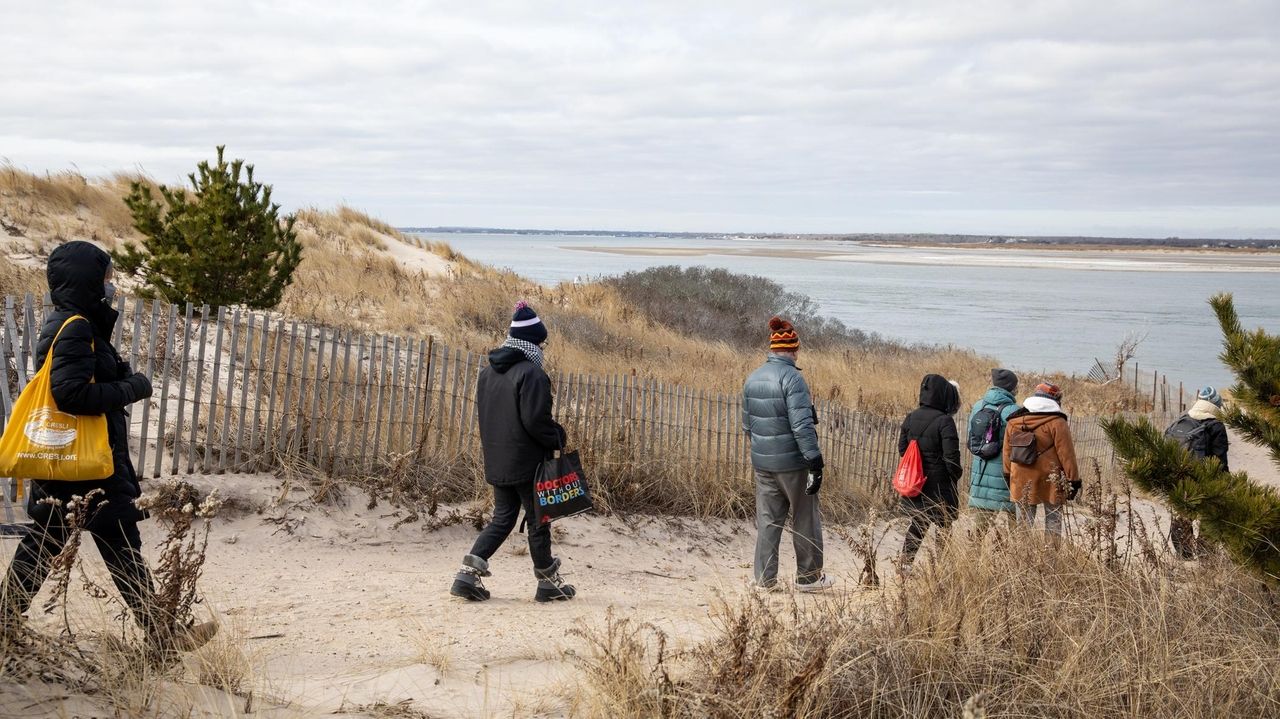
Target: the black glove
pixel 816 465
pixel 812 486
pixel 123 370
pixel 1075 489
pixel 140 385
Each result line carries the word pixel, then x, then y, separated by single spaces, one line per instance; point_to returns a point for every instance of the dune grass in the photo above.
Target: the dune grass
pixel 98 653
pixel 349 279
pixel 1005 624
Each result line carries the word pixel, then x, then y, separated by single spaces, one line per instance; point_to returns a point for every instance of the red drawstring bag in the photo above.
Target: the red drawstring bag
pixel 908 480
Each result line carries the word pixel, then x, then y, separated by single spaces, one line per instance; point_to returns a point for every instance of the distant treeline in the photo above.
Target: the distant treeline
pixel 896 238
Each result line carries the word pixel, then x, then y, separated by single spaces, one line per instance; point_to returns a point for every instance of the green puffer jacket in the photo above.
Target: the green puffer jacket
pixel 778 414
pixel 987 486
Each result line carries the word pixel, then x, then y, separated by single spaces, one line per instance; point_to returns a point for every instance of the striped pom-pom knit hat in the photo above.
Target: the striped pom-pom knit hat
pixel 1049 390
pixel 782 336
pixel 526 325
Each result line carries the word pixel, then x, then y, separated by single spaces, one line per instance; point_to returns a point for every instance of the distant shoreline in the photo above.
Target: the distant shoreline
pixel 1080 247
pixel 1038 257
pixel 909 240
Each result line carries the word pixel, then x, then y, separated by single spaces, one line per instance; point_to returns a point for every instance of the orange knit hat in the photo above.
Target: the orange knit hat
pixel 1049 390
pixel 782 336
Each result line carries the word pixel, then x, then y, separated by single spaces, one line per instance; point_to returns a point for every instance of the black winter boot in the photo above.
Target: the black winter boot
pixel 467 584
pixel 166 644
pixel 551 586
pixel 12 628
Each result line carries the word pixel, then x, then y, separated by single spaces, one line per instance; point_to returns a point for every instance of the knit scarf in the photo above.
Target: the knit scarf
pixel 531 351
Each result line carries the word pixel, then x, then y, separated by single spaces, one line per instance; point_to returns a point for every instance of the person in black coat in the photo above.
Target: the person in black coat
pixel 932 425
pixel 1203 433
pixel 517 434
pixel 88 377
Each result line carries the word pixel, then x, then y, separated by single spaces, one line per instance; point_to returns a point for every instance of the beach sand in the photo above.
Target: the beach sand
pixel 354 612
pixel 340 610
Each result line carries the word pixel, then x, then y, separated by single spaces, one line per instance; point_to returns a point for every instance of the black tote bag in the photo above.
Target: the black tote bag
pixel 561 489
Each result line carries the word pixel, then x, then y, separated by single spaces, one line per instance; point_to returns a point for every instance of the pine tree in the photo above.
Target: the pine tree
pixel 222 242
pixel 1239 514
pixel 1254 358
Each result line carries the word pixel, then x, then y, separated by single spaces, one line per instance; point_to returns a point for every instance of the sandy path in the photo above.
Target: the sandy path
pixel 1255 460
pixel 364 615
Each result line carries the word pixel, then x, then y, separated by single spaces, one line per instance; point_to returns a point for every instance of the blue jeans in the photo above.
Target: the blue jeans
pixel 1052 516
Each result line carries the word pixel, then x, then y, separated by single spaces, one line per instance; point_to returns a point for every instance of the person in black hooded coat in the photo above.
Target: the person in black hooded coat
pixel 933 426
pixel 518 432
pixel 88 377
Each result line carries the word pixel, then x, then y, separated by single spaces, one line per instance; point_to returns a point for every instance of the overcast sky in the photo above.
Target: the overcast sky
pixel 1152 117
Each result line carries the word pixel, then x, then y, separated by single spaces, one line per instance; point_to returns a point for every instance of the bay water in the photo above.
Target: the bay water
pixel 1032 309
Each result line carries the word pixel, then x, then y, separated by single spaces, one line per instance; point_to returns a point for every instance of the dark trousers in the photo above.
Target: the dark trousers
pixel 925 512
pixel 507 503
pixel 118 542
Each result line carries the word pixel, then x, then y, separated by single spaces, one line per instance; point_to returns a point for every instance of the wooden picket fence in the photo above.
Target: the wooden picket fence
pixel 1158 396
pixel 241 391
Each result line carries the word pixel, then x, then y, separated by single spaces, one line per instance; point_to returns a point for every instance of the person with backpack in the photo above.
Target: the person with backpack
pixel 932 428
pixel 988 490
pixel 88 377
pixel 1204 435
pixel 517 434
pixel 780 421
pixel 1039 458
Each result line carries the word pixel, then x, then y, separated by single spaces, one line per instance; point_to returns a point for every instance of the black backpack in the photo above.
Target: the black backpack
pixel 984 432
pixel 1190 433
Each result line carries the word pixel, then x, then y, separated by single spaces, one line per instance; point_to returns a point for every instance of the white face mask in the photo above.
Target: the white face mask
pixel 110 290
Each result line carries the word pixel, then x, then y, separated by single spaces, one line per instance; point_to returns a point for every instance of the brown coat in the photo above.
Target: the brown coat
pixel 1049 478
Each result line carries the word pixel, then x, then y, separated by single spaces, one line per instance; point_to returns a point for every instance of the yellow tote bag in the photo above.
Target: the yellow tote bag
pixel 43 442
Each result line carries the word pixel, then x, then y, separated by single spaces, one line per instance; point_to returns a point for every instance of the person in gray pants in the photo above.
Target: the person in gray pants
pixel 778 416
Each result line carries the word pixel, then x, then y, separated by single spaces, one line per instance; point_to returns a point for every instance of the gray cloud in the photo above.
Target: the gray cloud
pixel 1130 117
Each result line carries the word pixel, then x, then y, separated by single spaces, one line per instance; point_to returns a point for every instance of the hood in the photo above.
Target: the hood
pixel 76 272
pixel 1022 420
pixel 998 396
pixel 1042 405
pixel 1203 409
pixel 938 393
pixel 504 358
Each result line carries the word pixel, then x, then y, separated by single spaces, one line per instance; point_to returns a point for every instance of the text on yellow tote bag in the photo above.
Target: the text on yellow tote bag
pixel 43 442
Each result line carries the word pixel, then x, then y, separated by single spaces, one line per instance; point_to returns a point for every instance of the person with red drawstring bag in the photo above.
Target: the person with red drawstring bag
pixel 930 469
pixel 908 479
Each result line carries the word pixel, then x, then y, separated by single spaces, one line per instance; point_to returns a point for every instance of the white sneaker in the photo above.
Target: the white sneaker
pixel 764 588
pixel 820 584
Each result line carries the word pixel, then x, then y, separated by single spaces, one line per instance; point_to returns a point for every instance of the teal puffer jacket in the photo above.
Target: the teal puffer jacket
pixel 778 414
pixel 987 486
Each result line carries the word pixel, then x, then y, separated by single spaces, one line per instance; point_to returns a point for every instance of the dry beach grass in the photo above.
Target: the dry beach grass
pixel 998 626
